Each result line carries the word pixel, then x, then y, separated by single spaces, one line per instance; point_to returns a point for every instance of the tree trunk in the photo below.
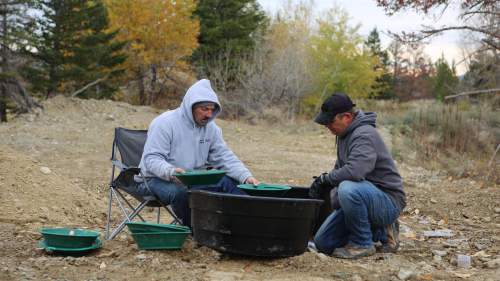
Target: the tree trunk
pixel 142 90
pixel 3 104
pixel 3 93
pixel 152 96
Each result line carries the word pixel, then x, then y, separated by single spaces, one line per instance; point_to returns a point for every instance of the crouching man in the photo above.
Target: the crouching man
pixel 366 189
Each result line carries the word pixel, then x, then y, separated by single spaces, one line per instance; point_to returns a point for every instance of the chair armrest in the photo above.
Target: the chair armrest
pixel 119 164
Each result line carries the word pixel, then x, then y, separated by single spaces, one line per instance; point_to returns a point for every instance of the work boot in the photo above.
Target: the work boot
pixel 392 244
pixel 353 252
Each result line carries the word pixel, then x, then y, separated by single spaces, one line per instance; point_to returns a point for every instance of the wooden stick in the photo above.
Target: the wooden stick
pixel 81 90
pixel 472 93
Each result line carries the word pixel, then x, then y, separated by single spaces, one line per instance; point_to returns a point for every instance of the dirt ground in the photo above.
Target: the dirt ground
pixel 54 171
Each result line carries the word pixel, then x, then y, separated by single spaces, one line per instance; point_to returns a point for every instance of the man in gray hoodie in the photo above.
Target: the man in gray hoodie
pixel 366 189
pixel 187 138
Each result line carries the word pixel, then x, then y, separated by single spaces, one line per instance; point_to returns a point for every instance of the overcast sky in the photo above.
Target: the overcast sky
pixel 369 15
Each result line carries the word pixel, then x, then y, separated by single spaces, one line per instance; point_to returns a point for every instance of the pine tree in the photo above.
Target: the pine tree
pixel 445 80
pixel 383 86
pixel 96 55
pixel 227 30
pixel 15 29
pixel 74 49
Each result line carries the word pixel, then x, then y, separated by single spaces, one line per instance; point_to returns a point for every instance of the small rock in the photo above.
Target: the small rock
pixel 497 210
pixel 110 118
pixel 141 257
pixel 493 264
pixel 45 170
pixel 437 258
pixel 406 232
pixel 455 243
pixel 356 278
pixel 434 201
pixel 480 246
pixel 424 221
pixel 464 261
pixel 122 237
pixel 102 266
pixel 202 265
pixel 405 274
pixel 440 253
pixel 439 233
pixel 481 254
pixel 487 219
pixel 462 275
pixel 322 256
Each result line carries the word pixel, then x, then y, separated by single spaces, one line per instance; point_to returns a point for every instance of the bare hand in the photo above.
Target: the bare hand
pixel 179 170
pixel 174 178
pixel 252 180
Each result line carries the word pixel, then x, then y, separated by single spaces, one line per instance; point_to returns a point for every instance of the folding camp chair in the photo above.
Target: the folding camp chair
pixel 130 144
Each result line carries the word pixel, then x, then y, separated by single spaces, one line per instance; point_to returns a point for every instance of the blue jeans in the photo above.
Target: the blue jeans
pixel 364 213
pixel 176 195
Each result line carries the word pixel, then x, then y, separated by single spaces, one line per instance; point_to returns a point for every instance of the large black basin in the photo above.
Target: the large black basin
pixel 253 225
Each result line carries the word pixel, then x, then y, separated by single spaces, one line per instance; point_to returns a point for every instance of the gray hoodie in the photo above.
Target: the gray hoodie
pixel 362 155
pixel 175 141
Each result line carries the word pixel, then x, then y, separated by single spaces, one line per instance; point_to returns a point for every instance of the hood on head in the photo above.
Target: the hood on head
pixel 200 91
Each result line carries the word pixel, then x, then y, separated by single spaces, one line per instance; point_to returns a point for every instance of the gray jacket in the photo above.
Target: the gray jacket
pixel 362 155
pixel 174 140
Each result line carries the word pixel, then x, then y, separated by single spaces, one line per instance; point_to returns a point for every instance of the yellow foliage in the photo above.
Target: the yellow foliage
pixel 160 32
pixel 342 63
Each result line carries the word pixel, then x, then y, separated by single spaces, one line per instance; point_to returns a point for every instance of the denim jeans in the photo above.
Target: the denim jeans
pixel 364 213
pixel 176 195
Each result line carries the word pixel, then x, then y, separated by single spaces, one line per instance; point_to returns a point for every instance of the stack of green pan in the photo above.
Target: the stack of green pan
pixel 151 236
pixel 69 240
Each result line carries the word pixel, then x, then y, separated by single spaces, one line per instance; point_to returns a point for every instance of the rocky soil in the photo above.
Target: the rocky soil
pixel 54 171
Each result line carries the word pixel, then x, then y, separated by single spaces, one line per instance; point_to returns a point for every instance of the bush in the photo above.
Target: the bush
pixel 462 137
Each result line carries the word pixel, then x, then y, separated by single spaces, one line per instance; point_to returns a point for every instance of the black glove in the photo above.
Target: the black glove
pixel 319 184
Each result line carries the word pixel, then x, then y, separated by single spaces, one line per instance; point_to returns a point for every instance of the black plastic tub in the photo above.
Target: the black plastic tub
pixel 253 225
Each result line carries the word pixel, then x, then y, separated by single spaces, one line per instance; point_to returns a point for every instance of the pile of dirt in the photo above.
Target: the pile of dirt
pixel 34 195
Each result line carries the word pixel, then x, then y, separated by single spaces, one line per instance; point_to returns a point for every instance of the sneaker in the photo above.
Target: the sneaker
pixel 312 247
pixel 353 252
pixel 392 244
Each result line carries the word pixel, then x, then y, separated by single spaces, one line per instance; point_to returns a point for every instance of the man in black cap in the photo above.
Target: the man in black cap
pixel 365 187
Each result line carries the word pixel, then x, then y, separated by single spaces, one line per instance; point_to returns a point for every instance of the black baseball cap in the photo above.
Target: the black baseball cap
pixel 335 104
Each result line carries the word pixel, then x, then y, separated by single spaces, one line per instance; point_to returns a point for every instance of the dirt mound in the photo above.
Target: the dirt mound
pixel 34 195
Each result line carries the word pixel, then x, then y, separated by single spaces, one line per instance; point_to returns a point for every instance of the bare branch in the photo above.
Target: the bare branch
pixel 81 90
pixel 487 91
pixel 463 27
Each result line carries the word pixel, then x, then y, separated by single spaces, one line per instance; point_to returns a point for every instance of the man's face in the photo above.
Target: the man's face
pixel 202 114
pixel 339 123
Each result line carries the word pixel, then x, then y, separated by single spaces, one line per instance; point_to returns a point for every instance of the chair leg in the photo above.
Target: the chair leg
pixel 129 218
pixel 109 212
pixel 128 204
pixel 158 216
pixel 171 212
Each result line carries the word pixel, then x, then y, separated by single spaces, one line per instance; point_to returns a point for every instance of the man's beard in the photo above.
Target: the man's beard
pixel 203 122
